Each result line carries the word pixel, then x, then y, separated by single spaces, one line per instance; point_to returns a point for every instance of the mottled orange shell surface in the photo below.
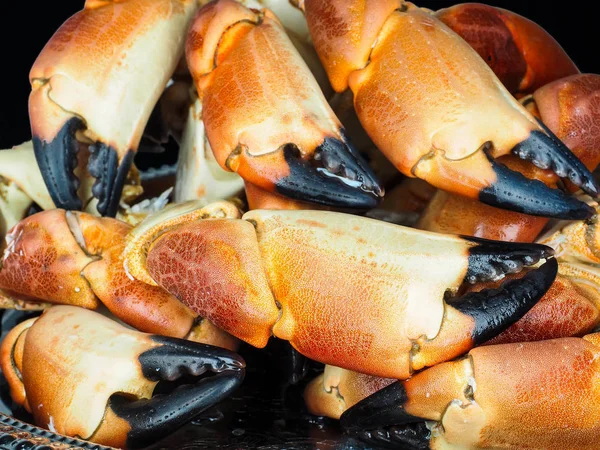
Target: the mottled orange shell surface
pixel 356 292
pixel 214 267
pixel 523 55
pixel 43 260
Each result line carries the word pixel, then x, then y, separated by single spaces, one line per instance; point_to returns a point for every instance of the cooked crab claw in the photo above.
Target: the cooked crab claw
pixel 82 374
pixel 174 359
pixel 436 110
pixel 73 258
pixel 534 395
pixel 237 276
pixel 91 83
pixel 570 108
pixel 275 129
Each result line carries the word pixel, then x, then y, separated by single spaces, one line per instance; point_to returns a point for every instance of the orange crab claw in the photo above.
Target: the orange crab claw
pixel 520 52
pixel 73 258
pixel 81 374
pixel 438 112
pixel 113 56
pixel 269 121
pixel 571 109
pixel 535 395
pixel 236 274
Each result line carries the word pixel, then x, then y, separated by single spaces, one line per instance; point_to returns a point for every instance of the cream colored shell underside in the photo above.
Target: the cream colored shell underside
pixel 86 357
pixel 116 97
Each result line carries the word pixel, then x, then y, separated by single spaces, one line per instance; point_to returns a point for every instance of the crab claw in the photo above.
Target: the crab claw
pixel 76 259
pixel 535 395
pixel 570 108
pixel 106 376
pixel 237 276
pixel 173 360
pixel 437 111
pixel 91 68
pixel 275 129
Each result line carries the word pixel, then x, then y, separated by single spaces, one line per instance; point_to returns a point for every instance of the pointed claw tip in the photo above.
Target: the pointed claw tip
pixel 152 419
pixel 56 161
pixel 340 158
pixel 176 357
pixel 513 191
pixel 382 408
pixel 319 185
pixel 494 310
pixel 546 151
pixel 492 260
pixel 110 176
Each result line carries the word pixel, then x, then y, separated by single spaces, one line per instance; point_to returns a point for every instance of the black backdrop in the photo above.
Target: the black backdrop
pixel 27 25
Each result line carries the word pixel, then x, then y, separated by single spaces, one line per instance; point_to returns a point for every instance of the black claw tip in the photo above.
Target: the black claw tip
pixel 546 151
pixel 342 178
pixel 176 357
pixel 491 260
pixel 414 436
pixel 151 419
pixel 515 192
pixel 384 408
pixel 494 310
pixel 56 160
pixel 110 176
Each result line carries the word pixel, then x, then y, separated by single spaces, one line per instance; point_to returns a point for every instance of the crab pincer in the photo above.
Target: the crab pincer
pixel 535 395
pixel 390 319
pixel 265 115
pixel 106 375
pixel 97 81
pixel 436 109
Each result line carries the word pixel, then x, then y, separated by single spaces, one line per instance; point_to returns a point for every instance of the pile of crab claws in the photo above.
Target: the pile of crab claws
pixel 344 179
pixel 159 416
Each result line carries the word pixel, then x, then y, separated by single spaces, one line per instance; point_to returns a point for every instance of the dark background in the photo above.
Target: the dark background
pixel 27 26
